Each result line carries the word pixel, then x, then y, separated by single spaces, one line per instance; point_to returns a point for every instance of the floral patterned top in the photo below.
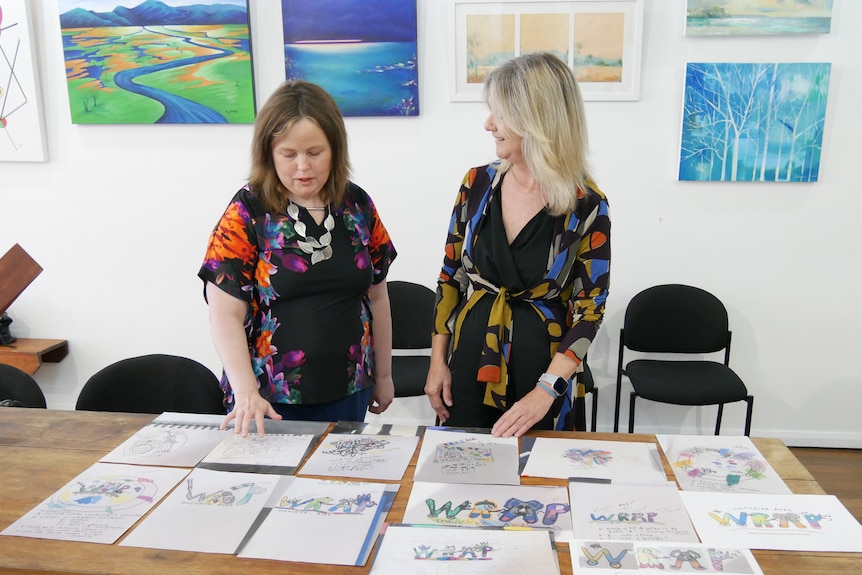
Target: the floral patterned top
pixel 308 325
pixel 568 299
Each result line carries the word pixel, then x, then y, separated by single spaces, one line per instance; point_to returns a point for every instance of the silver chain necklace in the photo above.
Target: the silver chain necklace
pixel 319 248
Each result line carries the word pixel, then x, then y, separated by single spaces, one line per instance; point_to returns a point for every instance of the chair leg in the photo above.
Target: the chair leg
pixel 750 401
pixel 632 412
pixel 595 410
pixel 619 384
pixel 718 419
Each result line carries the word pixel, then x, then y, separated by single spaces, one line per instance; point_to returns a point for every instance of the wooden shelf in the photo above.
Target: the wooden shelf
pixel 28 354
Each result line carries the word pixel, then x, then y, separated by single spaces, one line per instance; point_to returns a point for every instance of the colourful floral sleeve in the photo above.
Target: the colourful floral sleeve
pixel 231 253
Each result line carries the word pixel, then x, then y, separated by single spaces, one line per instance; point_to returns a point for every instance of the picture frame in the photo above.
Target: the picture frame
pixel 599 39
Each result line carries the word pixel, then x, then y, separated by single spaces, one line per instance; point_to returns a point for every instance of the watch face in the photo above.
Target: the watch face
pixel 561 386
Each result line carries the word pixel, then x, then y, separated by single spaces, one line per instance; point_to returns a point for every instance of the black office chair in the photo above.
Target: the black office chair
pixel 412 307
pixel 153 384
pixel 19 389
pixel 678 319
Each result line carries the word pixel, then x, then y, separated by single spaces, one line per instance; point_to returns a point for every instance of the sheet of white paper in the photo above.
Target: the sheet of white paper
pixel 629 512
pixel 271 450
pixel 769 521
pixel 362 456
pixel 470 505
pixel 720 463
pixel 590 458
pixel 170 444
pixel 99 505
pixel 320 521
pixel 464 457
pixel 624 557
pixel 210 512
pixel 423 550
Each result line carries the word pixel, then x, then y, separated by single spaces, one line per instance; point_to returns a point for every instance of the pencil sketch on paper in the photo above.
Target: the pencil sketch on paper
pixel 356 453
pixel 277 449
pixel 463 456
pixel 156 441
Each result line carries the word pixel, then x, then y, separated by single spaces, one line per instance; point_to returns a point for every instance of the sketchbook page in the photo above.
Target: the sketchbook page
pixel 322 521
pixel 629 512
pixel 168 443
pixel 465 457
pixel 423 550
pixel 210 512
pixel 769 521
pixel 279 452
pixel 720 463
pixel 362 456
pixel 99 505
pixel 591 458
pixel 607 557
pixel 469 505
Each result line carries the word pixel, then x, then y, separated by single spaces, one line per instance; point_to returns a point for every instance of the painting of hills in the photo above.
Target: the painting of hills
pixel 158 62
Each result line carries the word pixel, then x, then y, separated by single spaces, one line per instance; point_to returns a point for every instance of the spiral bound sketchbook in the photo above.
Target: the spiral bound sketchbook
pixel 171 440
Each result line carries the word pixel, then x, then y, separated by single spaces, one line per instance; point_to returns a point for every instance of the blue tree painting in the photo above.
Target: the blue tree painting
pixel 363 52
pixel 753 122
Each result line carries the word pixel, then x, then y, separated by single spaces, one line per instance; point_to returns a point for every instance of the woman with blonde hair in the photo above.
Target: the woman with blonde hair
pixel 526 269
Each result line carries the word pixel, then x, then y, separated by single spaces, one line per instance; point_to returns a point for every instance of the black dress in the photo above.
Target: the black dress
pixel 516 266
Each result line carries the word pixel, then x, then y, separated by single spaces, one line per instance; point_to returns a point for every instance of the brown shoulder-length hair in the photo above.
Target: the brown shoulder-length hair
pixel 295 100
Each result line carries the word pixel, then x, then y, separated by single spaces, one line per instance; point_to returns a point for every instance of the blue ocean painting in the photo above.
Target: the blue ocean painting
pixel 753 122
pixel 362 53
pixel 757 17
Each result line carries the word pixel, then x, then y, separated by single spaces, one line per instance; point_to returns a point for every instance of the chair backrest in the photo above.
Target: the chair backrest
pixel 20 388
pixel 153 384
pixel 675 318
pixel 412 308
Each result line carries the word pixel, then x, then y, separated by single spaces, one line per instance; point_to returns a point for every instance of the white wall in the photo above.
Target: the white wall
pixel 120 215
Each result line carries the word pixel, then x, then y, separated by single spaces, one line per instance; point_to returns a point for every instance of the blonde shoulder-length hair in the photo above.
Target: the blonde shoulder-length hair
pixel 539 100
pixel 291 102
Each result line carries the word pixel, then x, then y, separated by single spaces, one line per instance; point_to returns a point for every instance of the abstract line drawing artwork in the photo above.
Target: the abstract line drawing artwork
pixel 363 456
pixel 158 62
pixel 757 17
pixel 759 122
pixel 22 130
pixel 363 55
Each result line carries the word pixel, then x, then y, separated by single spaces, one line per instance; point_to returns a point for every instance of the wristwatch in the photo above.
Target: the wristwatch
pixel 554 383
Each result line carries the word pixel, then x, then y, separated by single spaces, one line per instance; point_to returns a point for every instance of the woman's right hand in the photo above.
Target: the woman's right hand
pixel 249 406
pixel 438 388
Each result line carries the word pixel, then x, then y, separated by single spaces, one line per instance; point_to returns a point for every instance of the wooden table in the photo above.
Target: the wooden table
pixel 28 354
pixel 41 450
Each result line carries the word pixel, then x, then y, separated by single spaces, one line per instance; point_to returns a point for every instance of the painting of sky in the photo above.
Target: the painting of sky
pixel 758 17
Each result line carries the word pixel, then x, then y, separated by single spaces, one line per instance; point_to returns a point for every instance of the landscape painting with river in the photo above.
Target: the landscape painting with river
pixel 171 61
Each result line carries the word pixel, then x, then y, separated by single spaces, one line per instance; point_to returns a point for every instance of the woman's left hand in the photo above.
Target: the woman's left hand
pixel 383 394
pixel 518 419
